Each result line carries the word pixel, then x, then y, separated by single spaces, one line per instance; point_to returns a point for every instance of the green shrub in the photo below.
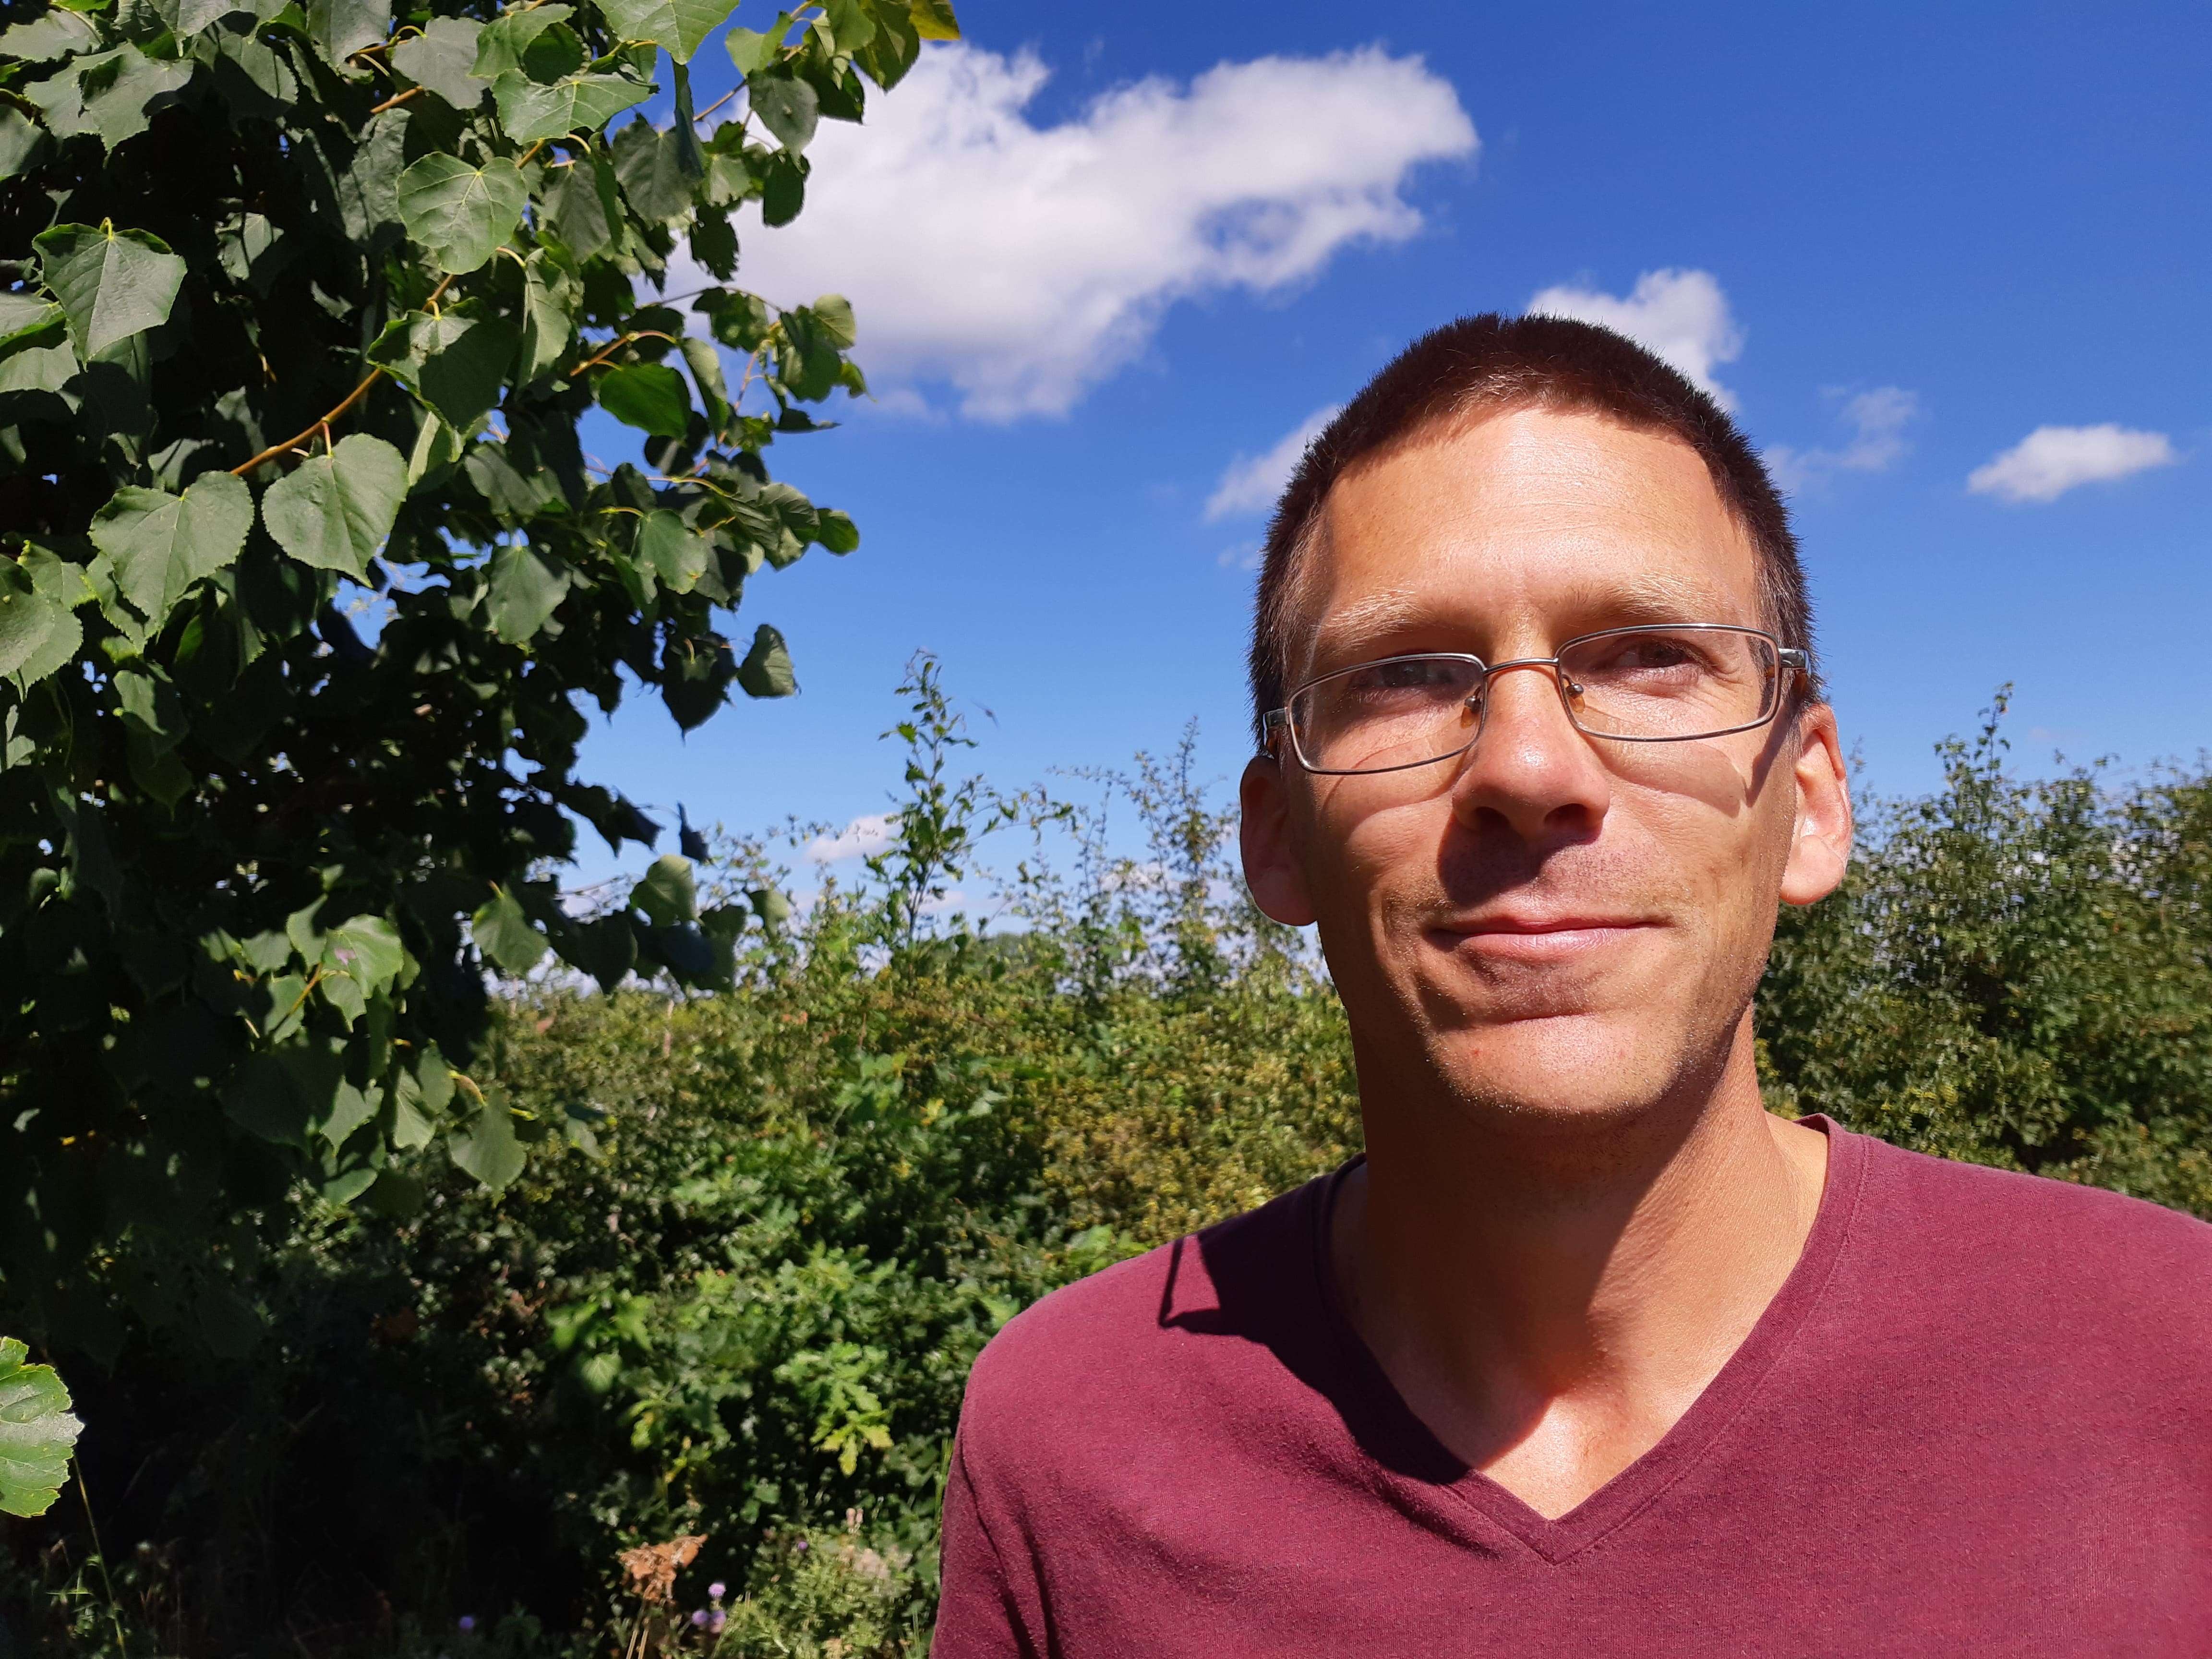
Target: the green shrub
pixel 761 1234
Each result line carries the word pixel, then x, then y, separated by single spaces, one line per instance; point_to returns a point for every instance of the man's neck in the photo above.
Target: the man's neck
pixel 1550 1303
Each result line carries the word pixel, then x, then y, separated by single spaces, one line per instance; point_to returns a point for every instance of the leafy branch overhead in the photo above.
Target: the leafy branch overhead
pixel 305 576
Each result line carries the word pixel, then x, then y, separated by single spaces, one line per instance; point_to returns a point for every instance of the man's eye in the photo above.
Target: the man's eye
pixel 1388 678
pixel 1645 655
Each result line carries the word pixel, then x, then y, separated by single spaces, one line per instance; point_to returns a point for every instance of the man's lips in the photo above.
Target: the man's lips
pixel 1521 938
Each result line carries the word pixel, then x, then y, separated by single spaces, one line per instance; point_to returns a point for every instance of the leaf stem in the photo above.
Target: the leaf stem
pixel 323 424
pixel 100 1554
pixel 397 100
pixel 613 346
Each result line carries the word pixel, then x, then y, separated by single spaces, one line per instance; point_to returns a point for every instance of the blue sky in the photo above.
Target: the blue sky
pixel 1102 262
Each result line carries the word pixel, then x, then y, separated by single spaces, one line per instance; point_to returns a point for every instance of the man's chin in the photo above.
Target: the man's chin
pixel 1564 1071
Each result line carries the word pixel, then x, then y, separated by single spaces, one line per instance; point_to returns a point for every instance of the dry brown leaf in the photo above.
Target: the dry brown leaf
pixel 653 1567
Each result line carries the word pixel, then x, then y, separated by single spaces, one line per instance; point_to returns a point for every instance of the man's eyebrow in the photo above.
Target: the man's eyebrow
pixel 1654 596
pixel 1372 616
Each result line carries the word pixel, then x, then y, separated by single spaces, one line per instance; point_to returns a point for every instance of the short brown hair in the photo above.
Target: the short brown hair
pixel 1489 364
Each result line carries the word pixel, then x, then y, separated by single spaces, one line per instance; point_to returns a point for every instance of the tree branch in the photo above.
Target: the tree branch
pixel 323 424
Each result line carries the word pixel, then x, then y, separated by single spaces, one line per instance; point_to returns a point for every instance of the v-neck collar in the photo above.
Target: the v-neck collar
pixel 1404 1450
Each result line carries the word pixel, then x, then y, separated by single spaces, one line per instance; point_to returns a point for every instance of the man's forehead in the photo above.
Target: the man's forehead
pixel 1576 514
pixel 1644 594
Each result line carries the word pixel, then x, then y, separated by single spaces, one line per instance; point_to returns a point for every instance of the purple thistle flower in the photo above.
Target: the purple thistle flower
pixel 717 1590
pixel 468 1624
pixel 801 1545
pixel 699 1619
pixel 720 1619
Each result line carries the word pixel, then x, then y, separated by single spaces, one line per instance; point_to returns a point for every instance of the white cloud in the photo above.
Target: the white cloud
pixel 1681 316
pixel 869 833
pixel 1021 264
pixel 2052 459
pixel 1251 482
pixel 1877 419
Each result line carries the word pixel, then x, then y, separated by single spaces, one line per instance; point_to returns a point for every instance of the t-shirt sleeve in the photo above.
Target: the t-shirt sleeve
pixel 980 1606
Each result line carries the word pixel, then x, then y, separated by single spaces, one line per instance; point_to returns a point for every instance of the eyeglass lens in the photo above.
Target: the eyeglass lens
pixel 1645 683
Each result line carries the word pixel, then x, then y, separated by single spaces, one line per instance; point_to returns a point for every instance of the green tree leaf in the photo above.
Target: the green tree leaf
pixel 892 51
pixel 706 365
pixel 22 315
pixel 833 315
pixel 29 366
pixel 606 949
pixel 37 1431
pixel 340 28
pixel 583 208
pixel 550 295
pixel 694 676
pixel 461 214
pixel 651 164
pixel 767 671
pixel 22 141
pixel 503 932
pixel 334 511
pixel 442 58
pixel 56 32
pixel 456 364
pixel 751 50
pixel 485 1146
pixel 159 544
pixel 368 951
pixel 37 635
pixel 112 94
pixel 934 20
pixel 586 101
pixel 507 37
pixel 651 397
pixel 187 18
pixel 678 26
pixel 677 553
pixel 788 107
pixel 783 188
pixel 112 283
pixel 851 26
pixel 668 892
pixel 526 586
pixel 715 244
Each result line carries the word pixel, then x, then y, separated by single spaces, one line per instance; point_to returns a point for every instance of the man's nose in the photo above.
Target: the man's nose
pixel 1530 766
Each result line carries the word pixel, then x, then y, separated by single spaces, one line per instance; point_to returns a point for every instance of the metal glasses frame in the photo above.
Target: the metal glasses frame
pixel 1789 660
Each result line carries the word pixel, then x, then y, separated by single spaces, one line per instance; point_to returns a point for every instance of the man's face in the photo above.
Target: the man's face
pixel 1552 924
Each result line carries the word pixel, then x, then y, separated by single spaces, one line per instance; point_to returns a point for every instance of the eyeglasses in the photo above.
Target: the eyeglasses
pixel 1664 685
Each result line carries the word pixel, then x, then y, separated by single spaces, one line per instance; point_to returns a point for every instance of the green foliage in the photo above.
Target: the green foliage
pixel 2017 973
pixel 717 1262
pixel 821 1586
pixel 36 1432
pixel 304 575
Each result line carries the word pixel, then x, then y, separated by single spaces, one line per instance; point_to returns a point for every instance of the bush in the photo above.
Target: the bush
pixel 762 1234
pixel 2017 973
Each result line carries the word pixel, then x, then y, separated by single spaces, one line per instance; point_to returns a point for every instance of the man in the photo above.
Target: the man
pixel 1590 1353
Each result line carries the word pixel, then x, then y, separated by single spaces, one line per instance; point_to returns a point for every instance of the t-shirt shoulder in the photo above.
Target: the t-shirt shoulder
pixel 1108 1341
pixel 2083 1253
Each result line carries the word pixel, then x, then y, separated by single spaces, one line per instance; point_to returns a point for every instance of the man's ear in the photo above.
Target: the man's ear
pixel 1272 869
pixel 1820 842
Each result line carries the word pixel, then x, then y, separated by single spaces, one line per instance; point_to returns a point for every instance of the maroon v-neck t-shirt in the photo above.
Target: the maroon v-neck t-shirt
pixel 1977 1419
